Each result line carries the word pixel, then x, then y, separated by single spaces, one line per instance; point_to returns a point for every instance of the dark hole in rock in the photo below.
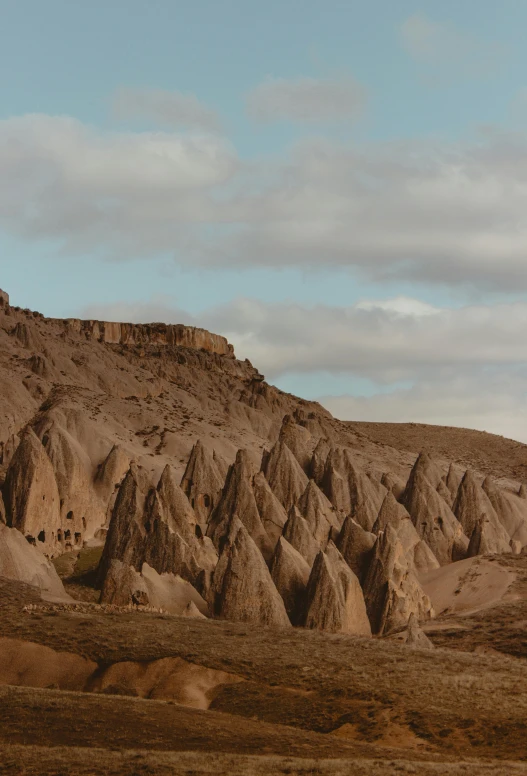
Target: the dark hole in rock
pixel 69 516
pixel 42 536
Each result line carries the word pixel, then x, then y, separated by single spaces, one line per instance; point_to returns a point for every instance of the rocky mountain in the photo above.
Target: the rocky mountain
pixel 210 491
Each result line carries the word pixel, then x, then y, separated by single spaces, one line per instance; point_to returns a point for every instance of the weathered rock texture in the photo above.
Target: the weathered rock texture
pixel 335 602
pixel 391 589
pixel 290 574
pixel 22 562
pixel 242 588
pixel 202 482
pixel 473 508
pixel 433 519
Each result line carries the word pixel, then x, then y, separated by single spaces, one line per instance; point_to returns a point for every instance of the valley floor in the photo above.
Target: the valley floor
pixel 304 702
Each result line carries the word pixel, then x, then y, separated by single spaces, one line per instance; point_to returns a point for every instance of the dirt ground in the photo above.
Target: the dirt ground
pixel 367 705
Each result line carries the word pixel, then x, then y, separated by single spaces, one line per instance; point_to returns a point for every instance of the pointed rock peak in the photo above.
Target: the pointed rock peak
pixel 113 468
pixel 221 464
pixel 284 474
pixel 290 574
pixel 192 612
pixel 272 513
pixel 453 479
pixel 444 492
pixel 242 589
pixel 391 589
pixel 415 637
pixel 335 602
pixel 31 495
pixel 202 481
pixel 175 505
pixel 318 511
pixel 238 498
pixel 391 513
pixel 298 439
pixel 393 483
pixel 298 533
pixel 472 503
pixel 355 545
pixel 424 468
pixel 138 475
pixel 318 460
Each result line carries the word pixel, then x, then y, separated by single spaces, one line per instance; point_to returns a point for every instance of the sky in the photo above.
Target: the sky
pixel 338 187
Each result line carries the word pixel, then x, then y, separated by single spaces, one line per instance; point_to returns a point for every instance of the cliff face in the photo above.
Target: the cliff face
pixel 133 334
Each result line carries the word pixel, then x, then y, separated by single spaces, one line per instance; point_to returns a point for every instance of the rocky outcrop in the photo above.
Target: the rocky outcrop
pixel 522 491
pixel 298 533
pixel 391 589
pixel 511 510
pixel 433 519
pixel 319 513
pixel 4 299
pixel 453 481
pixel 123 586
pixel 393 483
pixel 133 334
pixel 284 474
pixel 81 512
pixel 31 495
pixel 355 545
pixel 290 574
pixel 298 440
pixel 157 527
pixel 238 498
pixel 473 508
pixel 172 593
pixel 350 490
pixel 335 602
pixel 111 472
pixel 242 589
pixel 22 562
pixel 413 636
pixel 318 460
pixel 202 482
pixel 419 555
pixel 272 514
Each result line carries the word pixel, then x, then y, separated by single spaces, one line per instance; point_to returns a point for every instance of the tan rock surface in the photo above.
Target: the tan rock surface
pixel 242 589
pixel 335 602
pixel 290 574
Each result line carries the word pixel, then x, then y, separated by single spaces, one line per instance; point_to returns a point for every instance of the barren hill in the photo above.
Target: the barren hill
pixel 153 487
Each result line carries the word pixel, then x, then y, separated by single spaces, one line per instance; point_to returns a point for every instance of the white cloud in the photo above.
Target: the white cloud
pixel 444 46
pixel 306 99
pixel 447 213
pixel 494 402
pixel 167 108
pixel 127 194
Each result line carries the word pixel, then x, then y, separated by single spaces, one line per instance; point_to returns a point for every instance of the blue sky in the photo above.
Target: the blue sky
pixel 330 184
